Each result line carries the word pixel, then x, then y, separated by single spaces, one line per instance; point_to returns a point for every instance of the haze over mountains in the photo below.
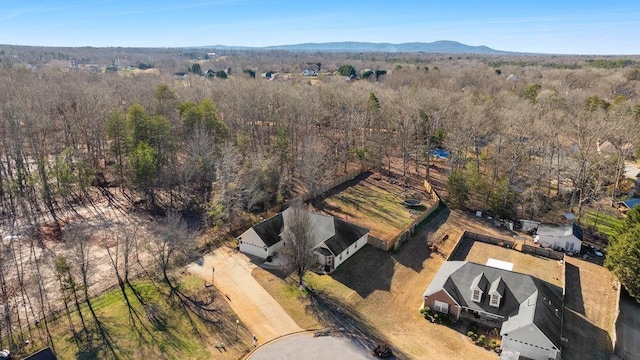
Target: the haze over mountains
pixel 443 46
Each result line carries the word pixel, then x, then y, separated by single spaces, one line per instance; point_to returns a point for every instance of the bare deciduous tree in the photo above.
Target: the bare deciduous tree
pixel 298 237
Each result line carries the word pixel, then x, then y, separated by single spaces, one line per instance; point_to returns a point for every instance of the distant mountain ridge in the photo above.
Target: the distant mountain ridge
pixel 442 46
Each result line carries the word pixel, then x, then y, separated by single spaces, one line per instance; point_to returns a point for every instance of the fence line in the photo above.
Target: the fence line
pixel 490 240
pixel 548 253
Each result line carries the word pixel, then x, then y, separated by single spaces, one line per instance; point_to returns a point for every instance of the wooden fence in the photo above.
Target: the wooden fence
pixel 548 253
pixel 410 229
pixel 490 240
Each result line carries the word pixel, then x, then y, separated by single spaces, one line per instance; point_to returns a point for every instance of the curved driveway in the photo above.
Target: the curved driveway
pixel 256 309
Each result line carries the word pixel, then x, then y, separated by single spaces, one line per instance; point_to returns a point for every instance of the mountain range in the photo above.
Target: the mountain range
pixel 443 47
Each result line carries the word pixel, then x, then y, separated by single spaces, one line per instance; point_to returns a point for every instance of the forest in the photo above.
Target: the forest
pixel 525 134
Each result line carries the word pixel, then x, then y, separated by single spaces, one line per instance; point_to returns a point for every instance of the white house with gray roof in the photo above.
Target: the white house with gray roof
pixel 335 240
pixel 527 309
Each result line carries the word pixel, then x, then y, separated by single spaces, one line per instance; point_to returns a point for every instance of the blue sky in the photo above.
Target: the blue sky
pixel 559 27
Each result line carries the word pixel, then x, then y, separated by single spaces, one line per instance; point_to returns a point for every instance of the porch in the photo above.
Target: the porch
pixel 481 317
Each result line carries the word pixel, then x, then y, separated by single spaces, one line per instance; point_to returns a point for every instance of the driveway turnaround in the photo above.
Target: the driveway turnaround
pixel 256 309
pixel 310 347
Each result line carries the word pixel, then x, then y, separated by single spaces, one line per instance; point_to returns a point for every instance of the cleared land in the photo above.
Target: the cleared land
pixel 375 202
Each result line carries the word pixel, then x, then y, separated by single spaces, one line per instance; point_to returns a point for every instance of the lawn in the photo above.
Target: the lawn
pixel 163 327
pixel 374 203
pixel 604 222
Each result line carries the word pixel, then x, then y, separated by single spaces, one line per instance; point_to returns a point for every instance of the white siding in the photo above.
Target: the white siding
pixel 529 342
pixel 352 249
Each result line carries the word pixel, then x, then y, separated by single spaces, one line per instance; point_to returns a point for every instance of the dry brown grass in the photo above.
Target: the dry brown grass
pixel 540 267
pixel 374 203
pixel 385 289
pixel 590 310
pixel 287 294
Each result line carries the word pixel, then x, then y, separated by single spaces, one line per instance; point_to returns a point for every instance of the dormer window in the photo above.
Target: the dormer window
pixel 496 291
pixel 478 286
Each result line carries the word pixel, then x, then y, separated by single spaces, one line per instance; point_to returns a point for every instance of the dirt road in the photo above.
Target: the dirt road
pixel 256 309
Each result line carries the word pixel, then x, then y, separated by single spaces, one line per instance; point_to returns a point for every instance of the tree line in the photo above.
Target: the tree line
pixel 227 147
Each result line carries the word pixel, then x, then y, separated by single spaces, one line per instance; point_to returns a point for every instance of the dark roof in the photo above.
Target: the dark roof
pixel 345 235
pixel 44 354
pixel 525 299
pixel 270 229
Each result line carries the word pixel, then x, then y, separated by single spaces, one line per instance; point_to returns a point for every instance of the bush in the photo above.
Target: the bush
pixel 425 311
pixel 470 333
pixel 481 341
pixel 493 344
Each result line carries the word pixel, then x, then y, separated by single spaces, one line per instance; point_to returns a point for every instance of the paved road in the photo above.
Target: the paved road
pixel 309 347
pixel 256 309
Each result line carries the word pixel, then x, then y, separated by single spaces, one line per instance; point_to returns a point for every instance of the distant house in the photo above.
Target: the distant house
pixel 180 75
pixel 564 237
pixel 629 204
pixel 527 309
pixel 335 239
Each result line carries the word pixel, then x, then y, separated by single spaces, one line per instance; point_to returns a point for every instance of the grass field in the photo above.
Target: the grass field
pixel 372 203
pixel 163 328
pixel 604 222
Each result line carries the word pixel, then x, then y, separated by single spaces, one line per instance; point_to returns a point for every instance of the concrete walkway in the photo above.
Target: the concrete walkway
pixel 256 309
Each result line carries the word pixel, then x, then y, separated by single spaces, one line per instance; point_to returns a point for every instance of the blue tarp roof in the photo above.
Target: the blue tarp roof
pixel 440 153
pixel 631 203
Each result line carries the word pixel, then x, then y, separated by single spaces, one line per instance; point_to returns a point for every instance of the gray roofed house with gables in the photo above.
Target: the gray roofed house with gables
pixel 527 309
pixel 335 239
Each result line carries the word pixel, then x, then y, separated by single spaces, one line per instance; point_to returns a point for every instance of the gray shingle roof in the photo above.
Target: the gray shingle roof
pixel 270 229
pixel 525 299
pixel 559 230
pixel 341 236
pixel 345 235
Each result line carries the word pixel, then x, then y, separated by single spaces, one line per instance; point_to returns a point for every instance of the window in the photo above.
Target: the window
pixel 440 306
pixel 495 300
pixel 477 295
pixel 347 251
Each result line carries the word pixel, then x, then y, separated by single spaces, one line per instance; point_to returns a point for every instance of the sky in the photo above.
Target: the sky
pixel 553 27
